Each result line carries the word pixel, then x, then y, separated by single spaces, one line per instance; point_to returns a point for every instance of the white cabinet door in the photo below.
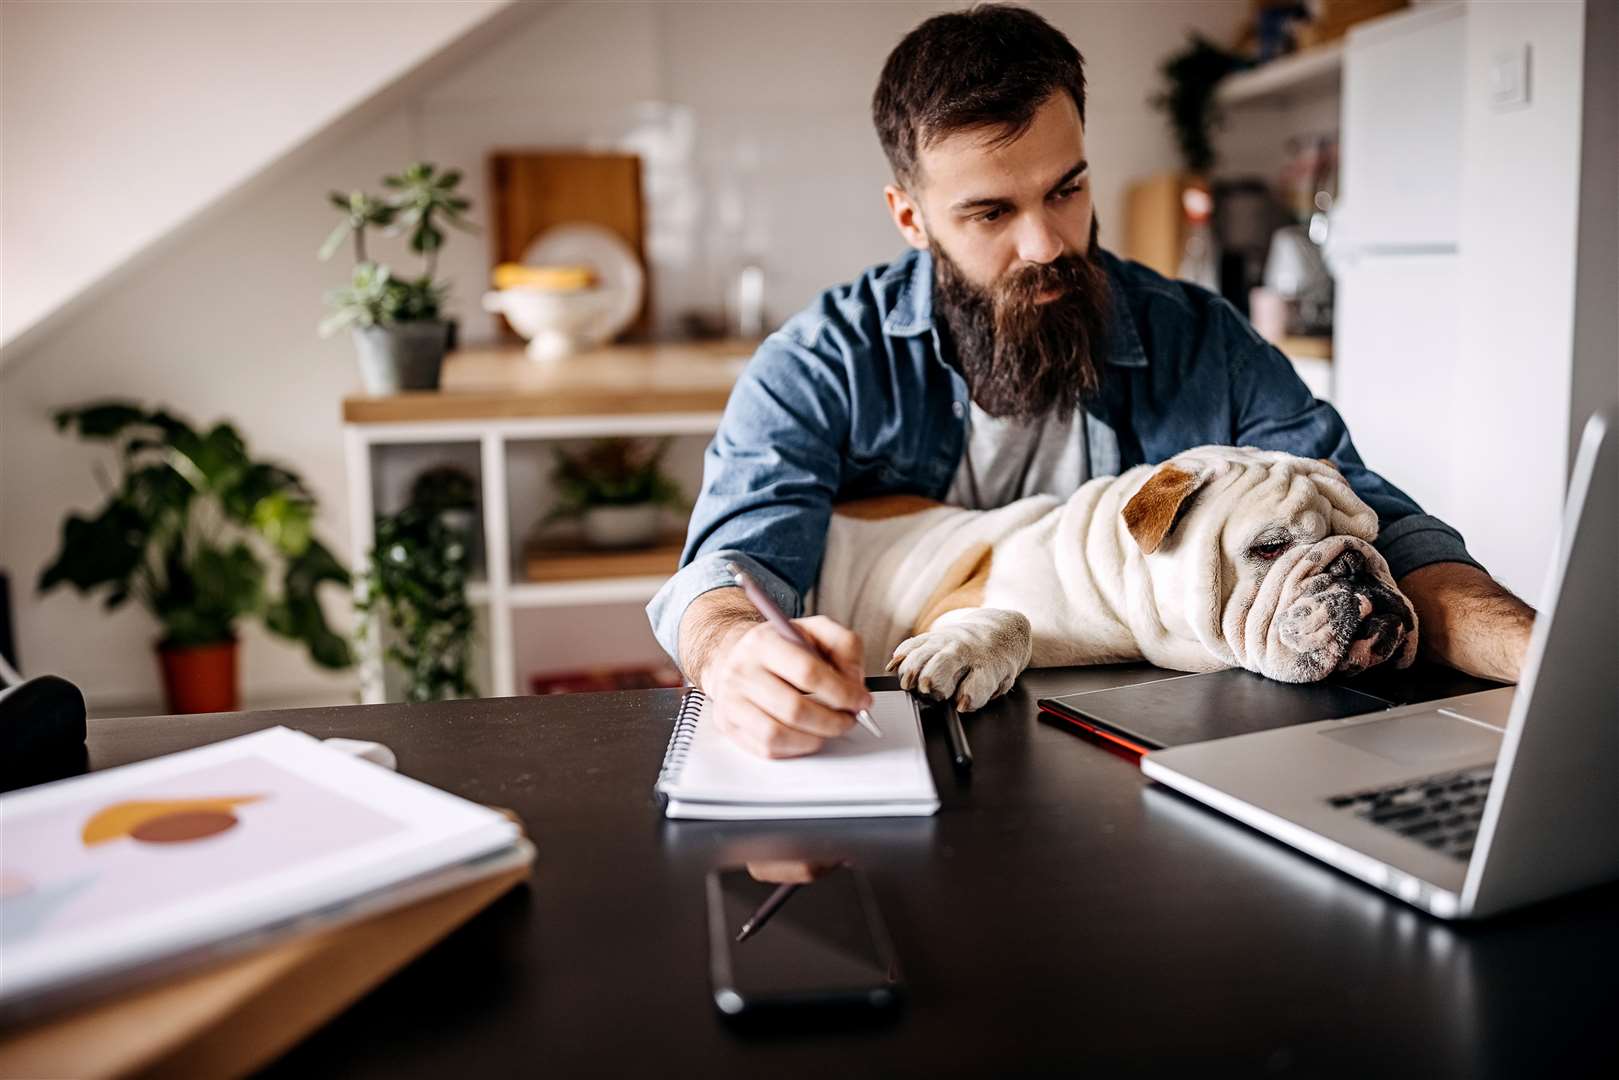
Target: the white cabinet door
pixel 1402 132
pixel 1395 362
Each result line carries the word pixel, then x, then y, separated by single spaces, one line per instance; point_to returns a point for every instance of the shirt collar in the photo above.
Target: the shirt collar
pixel 912 310
pixel 911 313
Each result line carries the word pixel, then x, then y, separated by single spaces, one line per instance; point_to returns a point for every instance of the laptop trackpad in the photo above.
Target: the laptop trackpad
pixel 1423 739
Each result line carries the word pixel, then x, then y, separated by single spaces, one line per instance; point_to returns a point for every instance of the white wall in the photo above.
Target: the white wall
pixel 778 97
pixel 1596 304
pixel 124 119
pixel 1519 224
pixel 222 324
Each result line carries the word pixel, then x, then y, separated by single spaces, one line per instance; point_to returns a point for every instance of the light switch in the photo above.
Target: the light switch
pixel 1509 78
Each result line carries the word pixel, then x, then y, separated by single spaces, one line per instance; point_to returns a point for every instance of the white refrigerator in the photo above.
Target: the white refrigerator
pixel 1394 251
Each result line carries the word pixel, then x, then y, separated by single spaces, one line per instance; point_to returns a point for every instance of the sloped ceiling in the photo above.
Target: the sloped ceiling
pixel 125 125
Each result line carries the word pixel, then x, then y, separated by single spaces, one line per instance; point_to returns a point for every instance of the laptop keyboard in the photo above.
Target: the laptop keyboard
pixel 1440 811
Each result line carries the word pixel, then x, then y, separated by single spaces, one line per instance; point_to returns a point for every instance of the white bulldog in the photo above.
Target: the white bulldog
pixel 1220 557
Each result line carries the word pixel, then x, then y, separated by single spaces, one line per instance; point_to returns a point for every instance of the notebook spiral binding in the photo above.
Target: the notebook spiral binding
pixel 674 758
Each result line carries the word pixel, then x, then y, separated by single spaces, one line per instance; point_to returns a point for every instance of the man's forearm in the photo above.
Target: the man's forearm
pixel 710 621
pixel 1467 620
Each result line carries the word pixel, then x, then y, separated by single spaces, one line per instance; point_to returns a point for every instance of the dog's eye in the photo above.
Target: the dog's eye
pixel 1269 550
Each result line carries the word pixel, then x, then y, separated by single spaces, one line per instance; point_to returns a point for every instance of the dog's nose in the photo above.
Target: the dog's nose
pixel 1350 563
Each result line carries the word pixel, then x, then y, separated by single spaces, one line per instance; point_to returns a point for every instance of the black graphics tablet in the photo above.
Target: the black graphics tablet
pixel 1182 709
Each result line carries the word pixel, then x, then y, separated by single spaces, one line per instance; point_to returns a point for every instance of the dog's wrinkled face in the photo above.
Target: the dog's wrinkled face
pixel 1338 611
pixel 1266 558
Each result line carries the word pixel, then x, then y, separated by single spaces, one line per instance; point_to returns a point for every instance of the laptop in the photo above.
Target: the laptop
pixel 1469 805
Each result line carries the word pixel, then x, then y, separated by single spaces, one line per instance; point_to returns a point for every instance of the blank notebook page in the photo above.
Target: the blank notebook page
pixel 854 768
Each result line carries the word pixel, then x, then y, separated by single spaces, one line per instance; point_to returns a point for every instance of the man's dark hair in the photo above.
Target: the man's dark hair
pixel 990 66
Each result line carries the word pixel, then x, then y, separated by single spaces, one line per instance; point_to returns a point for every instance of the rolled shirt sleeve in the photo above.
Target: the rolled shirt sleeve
pixel 770 476
pixel 1273 410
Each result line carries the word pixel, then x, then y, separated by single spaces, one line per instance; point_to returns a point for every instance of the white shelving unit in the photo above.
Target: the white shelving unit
pixel 626 391
pixel 1304 73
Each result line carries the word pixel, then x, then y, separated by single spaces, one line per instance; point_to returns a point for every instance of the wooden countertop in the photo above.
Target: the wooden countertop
pixel 501 382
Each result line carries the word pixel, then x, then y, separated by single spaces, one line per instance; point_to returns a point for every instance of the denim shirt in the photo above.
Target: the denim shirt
pixel 852 398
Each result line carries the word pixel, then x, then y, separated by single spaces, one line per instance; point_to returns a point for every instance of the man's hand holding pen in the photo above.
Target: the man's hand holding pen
pixel 777 699
pixel 778 687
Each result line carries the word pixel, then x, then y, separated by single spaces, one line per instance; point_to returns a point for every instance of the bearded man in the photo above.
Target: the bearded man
pixel 1005 355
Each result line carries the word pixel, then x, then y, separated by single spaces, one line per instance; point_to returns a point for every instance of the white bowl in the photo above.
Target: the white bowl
pixel 618 269
pixel 554 323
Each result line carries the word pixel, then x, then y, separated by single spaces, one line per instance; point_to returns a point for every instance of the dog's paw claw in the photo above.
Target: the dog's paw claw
pixel 948 665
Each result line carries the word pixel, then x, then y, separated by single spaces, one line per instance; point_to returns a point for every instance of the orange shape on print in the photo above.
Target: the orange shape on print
pixel 138 819
pixel 186 825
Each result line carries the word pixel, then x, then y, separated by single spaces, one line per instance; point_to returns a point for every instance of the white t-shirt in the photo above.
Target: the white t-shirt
pixel 1008 459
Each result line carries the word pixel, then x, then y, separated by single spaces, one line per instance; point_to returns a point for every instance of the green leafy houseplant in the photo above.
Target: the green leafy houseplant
pixel 613 472
pixel 417 581
pixel 189 529
pixel 396 320
pixel 374 298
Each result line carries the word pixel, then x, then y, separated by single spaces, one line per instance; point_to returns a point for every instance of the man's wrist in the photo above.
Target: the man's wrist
pixel 1469 621
pixel 710 624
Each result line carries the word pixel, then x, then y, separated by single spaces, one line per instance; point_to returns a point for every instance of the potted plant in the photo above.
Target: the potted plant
pixel 416 579
pixel 617 490
pixel 191 530
pixel 399 333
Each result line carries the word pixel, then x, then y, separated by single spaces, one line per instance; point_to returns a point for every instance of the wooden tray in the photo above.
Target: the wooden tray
pixel 564 561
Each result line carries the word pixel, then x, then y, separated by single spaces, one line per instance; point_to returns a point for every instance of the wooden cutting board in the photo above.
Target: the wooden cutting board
pixel 531 191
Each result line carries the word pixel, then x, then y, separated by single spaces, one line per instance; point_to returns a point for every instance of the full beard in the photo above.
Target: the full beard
pixel 1021 358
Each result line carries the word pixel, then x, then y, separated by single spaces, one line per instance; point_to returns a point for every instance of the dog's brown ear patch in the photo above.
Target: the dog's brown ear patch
pixel 1329 463
pixel 1151 511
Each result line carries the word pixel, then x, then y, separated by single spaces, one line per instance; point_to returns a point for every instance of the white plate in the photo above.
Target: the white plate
pixel 617 268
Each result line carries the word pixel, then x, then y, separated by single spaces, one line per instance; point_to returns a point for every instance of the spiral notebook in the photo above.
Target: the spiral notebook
pixel 706 776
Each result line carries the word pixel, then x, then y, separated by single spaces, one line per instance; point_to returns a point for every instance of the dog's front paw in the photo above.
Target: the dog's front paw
pixel 972 659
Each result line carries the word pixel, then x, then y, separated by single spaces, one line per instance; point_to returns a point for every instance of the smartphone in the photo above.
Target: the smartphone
pixel 810 938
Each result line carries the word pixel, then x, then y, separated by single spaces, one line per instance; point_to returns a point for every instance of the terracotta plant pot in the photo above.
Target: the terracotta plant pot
pixel 199 679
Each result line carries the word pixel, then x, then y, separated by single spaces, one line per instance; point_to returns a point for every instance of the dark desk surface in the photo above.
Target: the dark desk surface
pixel 1060 913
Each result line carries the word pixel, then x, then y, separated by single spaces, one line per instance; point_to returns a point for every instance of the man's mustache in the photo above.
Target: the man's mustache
pixel 1023 288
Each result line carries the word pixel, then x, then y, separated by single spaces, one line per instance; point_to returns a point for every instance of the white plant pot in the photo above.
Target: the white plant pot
pixel 622 526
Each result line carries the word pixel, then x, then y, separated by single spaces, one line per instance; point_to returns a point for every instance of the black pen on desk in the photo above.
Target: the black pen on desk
pixel 772 904
pixel 960 753
pixel 783 626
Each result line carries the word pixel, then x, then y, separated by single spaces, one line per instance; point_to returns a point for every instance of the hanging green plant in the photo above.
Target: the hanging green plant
pixel 444 487
pixel 1193 75
pixel 416 581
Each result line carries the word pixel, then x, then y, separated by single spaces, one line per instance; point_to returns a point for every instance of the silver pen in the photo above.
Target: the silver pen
pixel 784 626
